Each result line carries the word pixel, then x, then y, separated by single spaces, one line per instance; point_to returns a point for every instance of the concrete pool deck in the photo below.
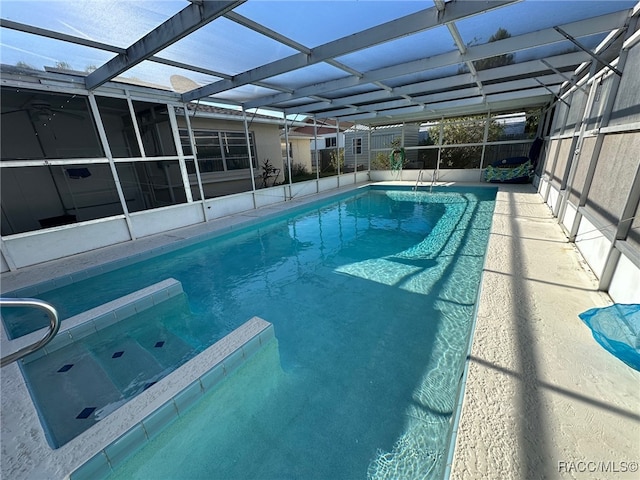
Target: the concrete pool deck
pixel 542 399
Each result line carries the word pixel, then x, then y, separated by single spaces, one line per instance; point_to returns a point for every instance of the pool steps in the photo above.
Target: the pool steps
pixel 96 451
pixel 165 401
pixel 108 442
pixel 98 318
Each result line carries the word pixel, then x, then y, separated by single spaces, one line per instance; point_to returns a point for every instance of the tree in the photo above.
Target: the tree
pixel 63 65
pixel 464 130
pixel 491 62
pixel 25 65
pixel 498 60
pixel 337 159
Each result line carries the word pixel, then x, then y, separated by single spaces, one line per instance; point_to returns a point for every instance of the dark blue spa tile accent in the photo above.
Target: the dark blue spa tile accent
pixel 86 413
pixel 149 385
pixel 65 368
pixel 117 354
pixel 159 344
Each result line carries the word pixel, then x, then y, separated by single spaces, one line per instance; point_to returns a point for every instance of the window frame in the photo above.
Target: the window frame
pixel 223 140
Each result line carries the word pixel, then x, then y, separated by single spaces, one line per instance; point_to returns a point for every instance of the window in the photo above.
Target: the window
pixel 219 151
pixel 357 145
pixel 41 125
pixel 155 129
pixel 330 142
pixel 118 127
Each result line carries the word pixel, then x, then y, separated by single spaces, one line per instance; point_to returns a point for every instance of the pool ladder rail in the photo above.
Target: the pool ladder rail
pixel 54 326
pixel 418 180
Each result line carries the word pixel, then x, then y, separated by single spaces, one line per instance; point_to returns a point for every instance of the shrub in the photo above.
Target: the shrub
pixel 337 158
pixel 298 170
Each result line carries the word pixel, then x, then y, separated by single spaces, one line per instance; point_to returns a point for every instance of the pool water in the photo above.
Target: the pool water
pixel 372 300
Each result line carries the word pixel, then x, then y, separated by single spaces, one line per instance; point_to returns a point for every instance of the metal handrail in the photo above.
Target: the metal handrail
pixel 54 323
pixel 418 180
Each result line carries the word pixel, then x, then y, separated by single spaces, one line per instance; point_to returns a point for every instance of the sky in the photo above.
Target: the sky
pixel 227 47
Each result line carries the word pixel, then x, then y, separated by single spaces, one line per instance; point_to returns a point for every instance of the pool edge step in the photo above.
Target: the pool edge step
pixel 138 421
pixel 98 318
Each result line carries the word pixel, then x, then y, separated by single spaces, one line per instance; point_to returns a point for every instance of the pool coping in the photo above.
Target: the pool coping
pixel 144 417
pixel 91 321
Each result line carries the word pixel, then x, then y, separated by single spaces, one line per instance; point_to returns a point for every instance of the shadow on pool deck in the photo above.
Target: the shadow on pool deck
pixel 540 391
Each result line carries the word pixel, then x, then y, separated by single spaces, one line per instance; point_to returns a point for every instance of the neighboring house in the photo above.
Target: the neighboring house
pixel 325 137
pixel 299 152
pixel 221 148
pixel 362 143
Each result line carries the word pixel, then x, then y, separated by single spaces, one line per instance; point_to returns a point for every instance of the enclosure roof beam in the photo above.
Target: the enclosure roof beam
pixel 278 37
pixel 548 36
pixel 551 91
pixel 535 96
pixel 530 68
pixel 43 32
pixel 180 25
pixel 409 24
pixel 460 94
pixel 462 48
pixel 584 49
pixel 572 81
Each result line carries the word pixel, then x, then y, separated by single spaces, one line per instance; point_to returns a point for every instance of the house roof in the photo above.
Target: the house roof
pixel 360 61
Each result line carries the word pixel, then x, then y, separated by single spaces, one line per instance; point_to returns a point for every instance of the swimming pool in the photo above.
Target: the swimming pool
pixel 372 299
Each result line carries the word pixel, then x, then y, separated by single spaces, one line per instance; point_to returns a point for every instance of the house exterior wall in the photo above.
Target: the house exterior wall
pixel 300 153
pixel 381 139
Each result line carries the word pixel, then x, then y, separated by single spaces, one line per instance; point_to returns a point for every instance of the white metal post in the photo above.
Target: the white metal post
pixel 315 143
pixel 286 141
pixel 136 127
pixel 107 151
pixel 181 162
pixel 194 151
pixel 248 139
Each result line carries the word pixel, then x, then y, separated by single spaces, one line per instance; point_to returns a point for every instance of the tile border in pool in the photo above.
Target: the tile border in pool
pixel 98 318
pixel 188 236
pixel 173 395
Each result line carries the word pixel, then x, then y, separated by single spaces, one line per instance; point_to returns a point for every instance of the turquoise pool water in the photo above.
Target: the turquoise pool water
pixel 372 299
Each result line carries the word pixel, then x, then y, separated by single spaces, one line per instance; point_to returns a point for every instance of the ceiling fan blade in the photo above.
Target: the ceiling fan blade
pixel 14 111
pixel 68 114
